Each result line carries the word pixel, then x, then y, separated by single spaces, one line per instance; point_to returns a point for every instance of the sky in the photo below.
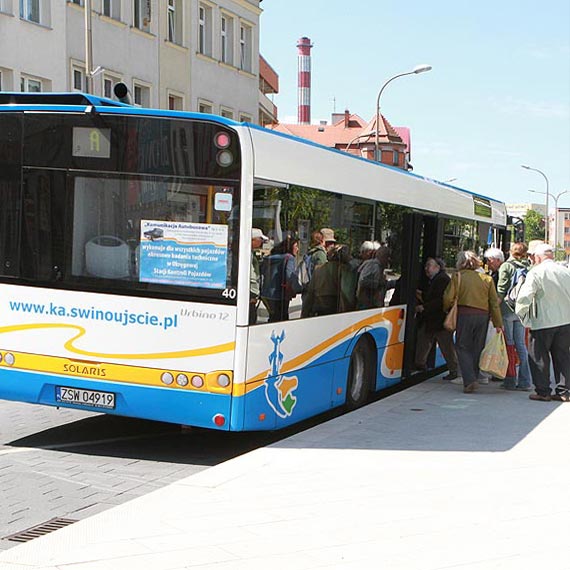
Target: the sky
pixel 498 95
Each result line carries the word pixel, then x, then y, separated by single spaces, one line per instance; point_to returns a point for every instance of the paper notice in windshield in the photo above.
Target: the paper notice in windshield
pixel 182 253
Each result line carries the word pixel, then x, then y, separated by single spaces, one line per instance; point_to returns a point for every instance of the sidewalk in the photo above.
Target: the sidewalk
pixel 429 478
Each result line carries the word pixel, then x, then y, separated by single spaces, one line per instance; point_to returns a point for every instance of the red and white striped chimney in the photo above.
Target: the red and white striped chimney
pixel 304 46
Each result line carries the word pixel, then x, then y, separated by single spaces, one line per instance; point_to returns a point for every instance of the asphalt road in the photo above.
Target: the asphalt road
pixel 71 464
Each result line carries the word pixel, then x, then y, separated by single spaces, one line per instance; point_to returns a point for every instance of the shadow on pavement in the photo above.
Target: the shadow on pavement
pixel 130 438
pixel 434 416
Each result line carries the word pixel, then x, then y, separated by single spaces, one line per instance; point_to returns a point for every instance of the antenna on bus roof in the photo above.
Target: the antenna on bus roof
pixel 122 93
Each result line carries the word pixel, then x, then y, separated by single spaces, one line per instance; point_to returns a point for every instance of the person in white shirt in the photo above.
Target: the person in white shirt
pixel 543 305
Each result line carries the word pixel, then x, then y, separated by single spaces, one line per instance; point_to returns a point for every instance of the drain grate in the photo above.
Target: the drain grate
pixel 40 530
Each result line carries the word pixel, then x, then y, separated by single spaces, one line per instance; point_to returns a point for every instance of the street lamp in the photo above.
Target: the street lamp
pixel 547 194
pixel 88 48
pixel 360 136
pixel 416 70
pixel 555 198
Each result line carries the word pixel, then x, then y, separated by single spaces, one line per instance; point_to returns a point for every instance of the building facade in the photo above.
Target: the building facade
pixel 563 229
pixel 195 55
pixel 350 133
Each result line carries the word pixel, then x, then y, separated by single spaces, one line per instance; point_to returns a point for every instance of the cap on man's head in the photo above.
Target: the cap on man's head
pixel 532 244
pixel 328 234
pixel 257 233
pixel 543 248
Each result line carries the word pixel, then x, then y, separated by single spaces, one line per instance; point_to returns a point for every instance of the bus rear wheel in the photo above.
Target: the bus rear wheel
pixel 360 373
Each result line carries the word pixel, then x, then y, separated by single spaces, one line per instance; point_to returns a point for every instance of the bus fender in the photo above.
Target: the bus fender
pixel 364 330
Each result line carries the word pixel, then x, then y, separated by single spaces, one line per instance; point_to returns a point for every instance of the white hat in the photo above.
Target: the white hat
pixel 257 233
pixel 543 248
pixel 532 245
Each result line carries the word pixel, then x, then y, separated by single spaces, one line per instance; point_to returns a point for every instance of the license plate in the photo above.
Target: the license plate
pixel 92 398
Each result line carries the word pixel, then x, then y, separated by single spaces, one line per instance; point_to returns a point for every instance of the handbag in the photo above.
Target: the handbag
pixel 450 321
pixel 512 368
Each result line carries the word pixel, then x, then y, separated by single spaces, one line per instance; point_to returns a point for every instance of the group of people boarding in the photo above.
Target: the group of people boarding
pixel 527 291
pixel 333 281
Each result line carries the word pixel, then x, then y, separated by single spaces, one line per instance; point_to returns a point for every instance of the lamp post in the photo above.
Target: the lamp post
pixel 416 70
pixel 88 48
pixel 547 194
pixel 555 198
pixel 361 136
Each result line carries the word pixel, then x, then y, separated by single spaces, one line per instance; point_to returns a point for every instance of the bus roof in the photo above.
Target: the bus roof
pixel 78 101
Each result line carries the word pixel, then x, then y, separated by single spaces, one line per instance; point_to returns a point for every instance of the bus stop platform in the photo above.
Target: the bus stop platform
pixel 428 478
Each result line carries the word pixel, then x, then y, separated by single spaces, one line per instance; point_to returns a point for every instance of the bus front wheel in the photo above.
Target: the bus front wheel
pixel 361 373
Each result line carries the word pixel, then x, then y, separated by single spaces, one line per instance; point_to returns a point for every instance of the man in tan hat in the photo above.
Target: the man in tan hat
pixel 328 238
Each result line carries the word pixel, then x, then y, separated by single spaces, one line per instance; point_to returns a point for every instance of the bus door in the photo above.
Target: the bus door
pixel 421 237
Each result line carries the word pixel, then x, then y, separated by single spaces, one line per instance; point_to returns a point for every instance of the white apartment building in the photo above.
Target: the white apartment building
pixel 195 55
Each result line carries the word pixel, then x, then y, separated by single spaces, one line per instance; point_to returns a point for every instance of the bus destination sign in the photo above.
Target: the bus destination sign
pixel 91 142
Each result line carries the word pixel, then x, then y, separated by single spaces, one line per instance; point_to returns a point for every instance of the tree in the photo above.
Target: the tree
pixel 533 225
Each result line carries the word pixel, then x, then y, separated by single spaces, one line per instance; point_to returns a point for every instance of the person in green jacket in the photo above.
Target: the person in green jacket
pixel 514 329
pixel 476 301
pixel 332 288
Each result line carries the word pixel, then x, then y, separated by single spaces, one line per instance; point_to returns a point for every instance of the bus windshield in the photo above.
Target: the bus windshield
pixel 123 204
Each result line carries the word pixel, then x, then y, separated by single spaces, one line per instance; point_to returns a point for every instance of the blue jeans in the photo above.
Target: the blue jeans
pixel 514 334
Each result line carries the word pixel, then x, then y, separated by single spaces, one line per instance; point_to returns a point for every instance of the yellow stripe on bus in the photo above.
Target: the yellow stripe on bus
pixel 109 372
pixel 216 349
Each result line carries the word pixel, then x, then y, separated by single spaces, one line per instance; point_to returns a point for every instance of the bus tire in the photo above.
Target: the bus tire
pixel 361 373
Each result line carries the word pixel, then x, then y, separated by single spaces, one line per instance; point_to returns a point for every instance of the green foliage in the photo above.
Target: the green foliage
pixel 533 225
pixel 300 203
pixel 561 254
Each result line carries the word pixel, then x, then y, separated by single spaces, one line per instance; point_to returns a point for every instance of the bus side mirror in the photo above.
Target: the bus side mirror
pixel 122 93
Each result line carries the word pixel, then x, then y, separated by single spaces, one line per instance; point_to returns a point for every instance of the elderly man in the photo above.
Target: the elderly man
pixel 430 315
pixel 495 258
pixel 543 304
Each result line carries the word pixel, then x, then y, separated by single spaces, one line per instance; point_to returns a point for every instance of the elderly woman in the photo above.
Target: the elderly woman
pixel 476 300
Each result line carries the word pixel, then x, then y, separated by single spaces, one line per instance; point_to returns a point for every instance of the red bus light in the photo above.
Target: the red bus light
pixel 222 140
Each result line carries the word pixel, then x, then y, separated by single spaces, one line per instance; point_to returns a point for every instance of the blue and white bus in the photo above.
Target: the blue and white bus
pixel 126 253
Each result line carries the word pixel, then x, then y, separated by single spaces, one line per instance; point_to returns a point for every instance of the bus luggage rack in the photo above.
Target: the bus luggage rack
pixel 40 530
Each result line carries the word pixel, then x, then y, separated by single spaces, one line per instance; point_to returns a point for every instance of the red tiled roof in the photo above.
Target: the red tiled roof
pixel 339 136
pixel 404 133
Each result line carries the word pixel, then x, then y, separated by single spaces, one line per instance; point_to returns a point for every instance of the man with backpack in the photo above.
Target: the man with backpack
pixel 317 255
pixel 543 304
pixel 512 275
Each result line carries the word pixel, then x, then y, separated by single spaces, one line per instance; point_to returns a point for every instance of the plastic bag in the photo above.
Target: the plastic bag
pixel 494 359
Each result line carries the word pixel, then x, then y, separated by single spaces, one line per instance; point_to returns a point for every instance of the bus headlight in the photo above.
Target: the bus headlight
pixel 167 378
pixel 182 380
pixel 197 381
pixel 223 380
pixel 9 358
